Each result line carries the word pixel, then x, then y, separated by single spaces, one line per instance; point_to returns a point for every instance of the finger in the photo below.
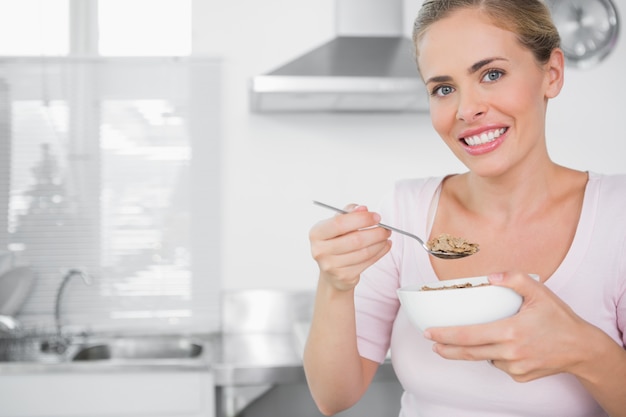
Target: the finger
pixel 490 341
pixel 359 239
pixel 367 254
pixel 344 271
pixel 352 264
pixel 521 283
pixel 357 243
pixel 472 335
pixel 519 370
pixel 358 218
pixel 353 207
pixel 473 353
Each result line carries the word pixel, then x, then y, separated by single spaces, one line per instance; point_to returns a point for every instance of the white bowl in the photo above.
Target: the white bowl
pixel 458 306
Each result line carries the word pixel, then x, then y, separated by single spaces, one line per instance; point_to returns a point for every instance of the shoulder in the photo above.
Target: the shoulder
pixel 607 200
pixel 408 198
pixel 416 186
pixel 614 185
pixel 410 192
pixel 610 192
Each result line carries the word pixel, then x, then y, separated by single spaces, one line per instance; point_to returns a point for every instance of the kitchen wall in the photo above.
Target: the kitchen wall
pixel 274 165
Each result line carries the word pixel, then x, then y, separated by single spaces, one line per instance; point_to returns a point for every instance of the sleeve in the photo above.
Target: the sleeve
pixel 376 305
pixel 614 192
pixel 376 301
pixel 621 296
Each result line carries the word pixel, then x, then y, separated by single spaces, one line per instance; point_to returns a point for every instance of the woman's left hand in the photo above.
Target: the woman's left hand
pixel 544 338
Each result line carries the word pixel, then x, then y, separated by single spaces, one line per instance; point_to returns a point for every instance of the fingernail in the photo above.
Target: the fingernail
pixel 495 277
pixel 427 335
pixel 376 217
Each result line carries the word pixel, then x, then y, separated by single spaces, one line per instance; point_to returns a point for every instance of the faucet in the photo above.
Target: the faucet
pixel 61 344
pixel 9 324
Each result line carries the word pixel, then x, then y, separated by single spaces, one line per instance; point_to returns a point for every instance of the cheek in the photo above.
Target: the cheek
pixel 523 105
pixel 524 99
pixel 443 118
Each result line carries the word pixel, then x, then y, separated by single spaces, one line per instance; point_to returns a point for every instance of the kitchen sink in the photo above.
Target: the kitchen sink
pixel 139 348
pixel 26 349
pixel 43 350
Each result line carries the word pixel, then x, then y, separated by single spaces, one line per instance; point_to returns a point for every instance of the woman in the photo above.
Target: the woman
pixel 490 67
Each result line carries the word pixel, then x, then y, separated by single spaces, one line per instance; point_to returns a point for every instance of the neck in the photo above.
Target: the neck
pixel 518 193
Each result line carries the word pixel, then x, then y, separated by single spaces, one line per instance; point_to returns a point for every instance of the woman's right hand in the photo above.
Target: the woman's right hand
pixel 345 245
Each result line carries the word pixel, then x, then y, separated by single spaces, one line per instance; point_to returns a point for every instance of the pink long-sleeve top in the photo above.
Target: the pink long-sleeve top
pixel 591 280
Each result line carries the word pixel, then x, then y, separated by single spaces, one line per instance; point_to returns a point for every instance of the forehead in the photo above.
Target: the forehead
pixel 460 40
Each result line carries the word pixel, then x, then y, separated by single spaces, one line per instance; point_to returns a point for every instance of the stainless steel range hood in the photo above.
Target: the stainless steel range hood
pixel 369 66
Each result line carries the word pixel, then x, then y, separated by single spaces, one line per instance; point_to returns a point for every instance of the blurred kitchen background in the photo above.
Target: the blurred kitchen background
pixel 129 149
pixel 132 153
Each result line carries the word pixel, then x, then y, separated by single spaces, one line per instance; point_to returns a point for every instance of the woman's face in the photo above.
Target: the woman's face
pixel 488 94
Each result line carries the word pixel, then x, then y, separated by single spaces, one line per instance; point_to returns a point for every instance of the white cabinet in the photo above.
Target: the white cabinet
pixel 153 393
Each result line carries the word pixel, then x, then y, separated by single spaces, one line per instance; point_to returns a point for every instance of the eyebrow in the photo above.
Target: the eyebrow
pixel 477 66
pixel 471 70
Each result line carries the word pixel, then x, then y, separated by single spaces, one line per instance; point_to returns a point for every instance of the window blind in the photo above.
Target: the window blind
pixel 111 166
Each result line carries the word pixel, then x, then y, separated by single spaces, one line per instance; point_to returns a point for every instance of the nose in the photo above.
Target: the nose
pixel 471 106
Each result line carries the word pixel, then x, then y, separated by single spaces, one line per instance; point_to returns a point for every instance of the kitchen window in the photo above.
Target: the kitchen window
pixel 164 31
pixel 34 27
pixel 107 27
pixel 113 165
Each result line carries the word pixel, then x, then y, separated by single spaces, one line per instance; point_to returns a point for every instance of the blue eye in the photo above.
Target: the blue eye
pixel 493 75
pixel 443 90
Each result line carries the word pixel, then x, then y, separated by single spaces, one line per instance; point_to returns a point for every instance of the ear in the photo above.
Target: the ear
pixel 555 69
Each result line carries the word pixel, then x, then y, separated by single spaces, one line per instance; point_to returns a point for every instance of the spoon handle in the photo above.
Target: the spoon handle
pixel 384 226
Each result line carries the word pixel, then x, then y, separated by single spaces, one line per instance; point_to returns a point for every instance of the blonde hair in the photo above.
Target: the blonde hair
pixel 529 19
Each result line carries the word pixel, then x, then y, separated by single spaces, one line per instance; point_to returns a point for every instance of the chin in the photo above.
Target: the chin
pixel 487 171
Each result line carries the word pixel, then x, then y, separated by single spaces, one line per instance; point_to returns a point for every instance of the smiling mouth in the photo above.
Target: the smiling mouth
pixel 484 137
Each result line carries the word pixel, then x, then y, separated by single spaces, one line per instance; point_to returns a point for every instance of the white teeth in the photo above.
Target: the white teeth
pixel 484 137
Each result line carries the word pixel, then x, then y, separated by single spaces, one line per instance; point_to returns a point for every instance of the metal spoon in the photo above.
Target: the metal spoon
pixel 438 254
